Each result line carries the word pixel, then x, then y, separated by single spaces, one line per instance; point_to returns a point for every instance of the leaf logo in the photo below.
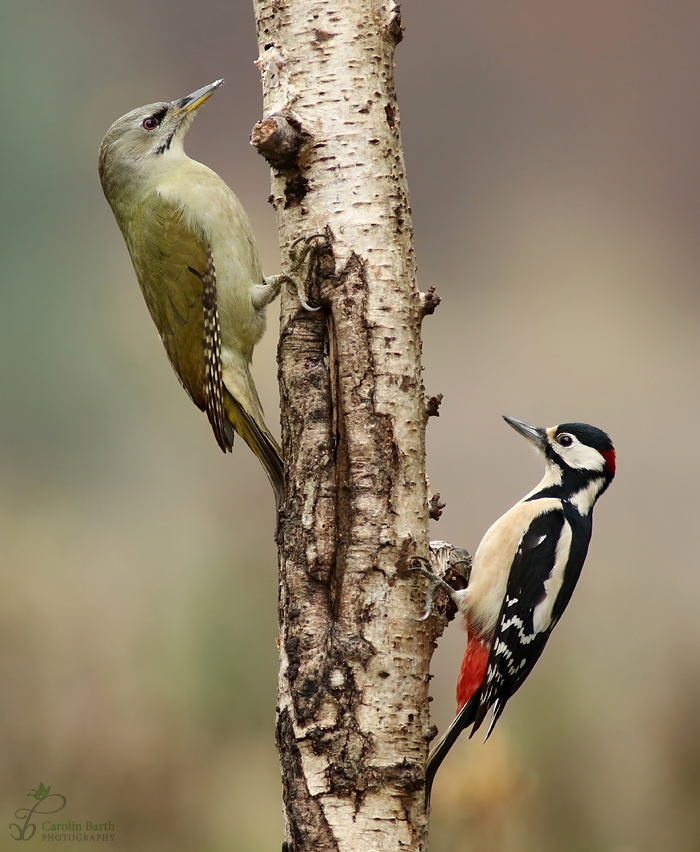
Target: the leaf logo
pixel 40 793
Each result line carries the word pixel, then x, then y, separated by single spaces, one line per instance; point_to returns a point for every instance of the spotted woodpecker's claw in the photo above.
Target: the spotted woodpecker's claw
pixel 436 583
pixel 461 563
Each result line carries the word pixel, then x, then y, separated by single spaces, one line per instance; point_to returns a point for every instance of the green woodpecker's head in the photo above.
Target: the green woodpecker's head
pixel 145 137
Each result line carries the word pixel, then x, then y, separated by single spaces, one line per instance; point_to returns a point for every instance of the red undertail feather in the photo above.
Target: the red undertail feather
pixel 473 670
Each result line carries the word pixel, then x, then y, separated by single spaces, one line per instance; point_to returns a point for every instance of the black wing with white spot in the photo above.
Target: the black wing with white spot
pixel 518 642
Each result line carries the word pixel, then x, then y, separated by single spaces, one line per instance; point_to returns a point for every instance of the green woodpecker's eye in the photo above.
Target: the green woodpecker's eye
pixel 150 123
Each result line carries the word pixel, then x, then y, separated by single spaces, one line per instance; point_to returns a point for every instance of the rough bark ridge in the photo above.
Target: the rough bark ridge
pixel 353 687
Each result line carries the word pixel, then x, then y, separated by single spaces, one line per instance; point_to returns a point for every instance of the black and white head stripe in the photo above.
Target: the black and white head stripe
pixel 580 447
pixel 589 435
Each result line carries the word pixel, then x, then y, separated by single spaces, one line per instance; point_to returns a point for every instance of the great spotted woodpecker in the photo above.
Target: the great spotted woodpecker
pixel 524 573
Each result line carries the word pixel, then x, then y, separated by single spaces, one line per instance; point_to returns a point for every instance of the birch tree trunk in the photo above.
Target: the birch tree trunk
pixel 352 716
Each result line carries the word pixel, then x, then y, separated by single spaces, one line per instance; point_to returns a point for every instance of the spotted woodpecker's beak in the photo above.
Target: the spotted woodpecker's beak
pixel 534 434
pixel 196 99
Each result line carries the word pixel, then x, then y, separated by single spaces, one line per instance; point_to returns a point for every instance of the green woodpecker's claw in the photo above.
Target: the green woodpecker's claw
pixel 297 257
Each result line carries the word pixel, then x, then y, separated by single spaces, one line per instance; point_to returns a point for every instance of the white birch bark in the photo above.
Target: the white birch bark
pixel 353 715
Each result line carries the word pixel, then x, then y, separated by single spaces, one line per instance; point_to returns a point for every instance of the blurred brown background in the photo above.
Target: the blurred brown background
pixel 552 150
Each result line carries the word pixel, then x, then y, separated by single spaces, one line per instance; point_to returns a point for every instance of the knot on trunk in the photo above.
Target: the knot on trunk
pixel 278 138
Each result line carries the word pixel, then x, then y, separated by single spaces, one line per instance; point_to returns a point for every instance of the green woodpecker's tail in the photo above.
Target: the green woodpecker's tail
pixel 261 442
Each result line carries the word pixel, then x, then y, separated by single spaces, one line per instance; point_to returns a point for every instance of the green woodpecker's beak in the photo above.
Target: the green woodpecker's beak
pixel 533 433
pixel 196 99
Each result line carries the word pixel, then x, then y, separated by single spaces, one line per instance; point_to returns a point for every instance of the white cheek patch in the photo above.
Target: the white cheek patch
pixel 581 457
pixel 542 615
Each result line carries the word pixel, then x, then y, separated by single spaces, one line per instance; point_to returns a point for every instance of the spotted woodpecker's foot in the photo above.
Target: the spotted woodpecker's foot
pixel 296 276
pixel 436 582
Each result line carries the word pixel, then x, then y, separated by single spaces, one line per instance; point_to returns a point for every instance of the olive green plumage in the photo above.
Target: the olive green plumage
pixel 195 258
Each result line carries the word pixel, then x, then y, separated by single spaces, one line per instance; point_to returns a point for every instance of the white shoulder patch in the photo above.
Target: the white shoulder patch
pixel 493 561
pixel 542 615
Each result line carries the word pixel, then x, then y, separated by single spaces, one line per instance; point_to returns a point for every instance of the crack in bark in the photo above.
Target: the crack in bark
pixel 308 824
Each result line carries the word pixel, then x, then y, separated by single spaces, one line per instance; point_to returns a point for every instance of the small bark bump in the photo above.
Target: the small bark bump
pixel 432 407
pixel 435 507
pixel 431 733
pixel 430 301
pixel 396 28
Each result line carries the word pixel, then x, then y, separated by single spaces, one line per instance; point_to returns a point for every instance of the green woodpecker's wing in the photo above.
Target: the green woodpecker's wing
pixel 175 270
pixel 213 381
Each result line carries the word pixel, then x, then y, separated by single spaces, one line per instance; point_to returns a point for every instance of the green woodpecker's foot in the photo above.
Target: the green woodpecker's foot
pixel 297 275
pixel 265 293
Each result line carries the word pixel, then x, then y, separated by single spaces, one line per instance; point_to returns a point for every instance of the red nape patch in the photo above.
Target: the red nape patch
pixel 471 675
pixel 609 456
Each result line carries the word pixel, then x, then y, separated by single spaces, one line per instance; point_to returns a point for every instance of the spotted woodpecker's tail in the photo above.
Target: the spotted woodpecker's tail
pixel 462 720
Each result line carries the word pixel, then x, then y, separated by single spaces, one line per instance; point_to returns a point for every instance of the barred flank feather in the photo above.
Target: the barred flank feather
pixel 213 377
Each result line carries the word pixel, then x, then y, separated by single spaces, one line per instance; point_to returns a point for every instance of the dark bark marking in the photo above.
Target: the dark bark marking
pixel 310 829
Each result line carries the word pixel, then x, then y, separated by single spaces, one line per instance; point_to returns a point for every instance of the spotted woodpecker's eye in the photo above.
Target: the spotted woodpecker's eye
pixel 150 123
pixel 565 440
